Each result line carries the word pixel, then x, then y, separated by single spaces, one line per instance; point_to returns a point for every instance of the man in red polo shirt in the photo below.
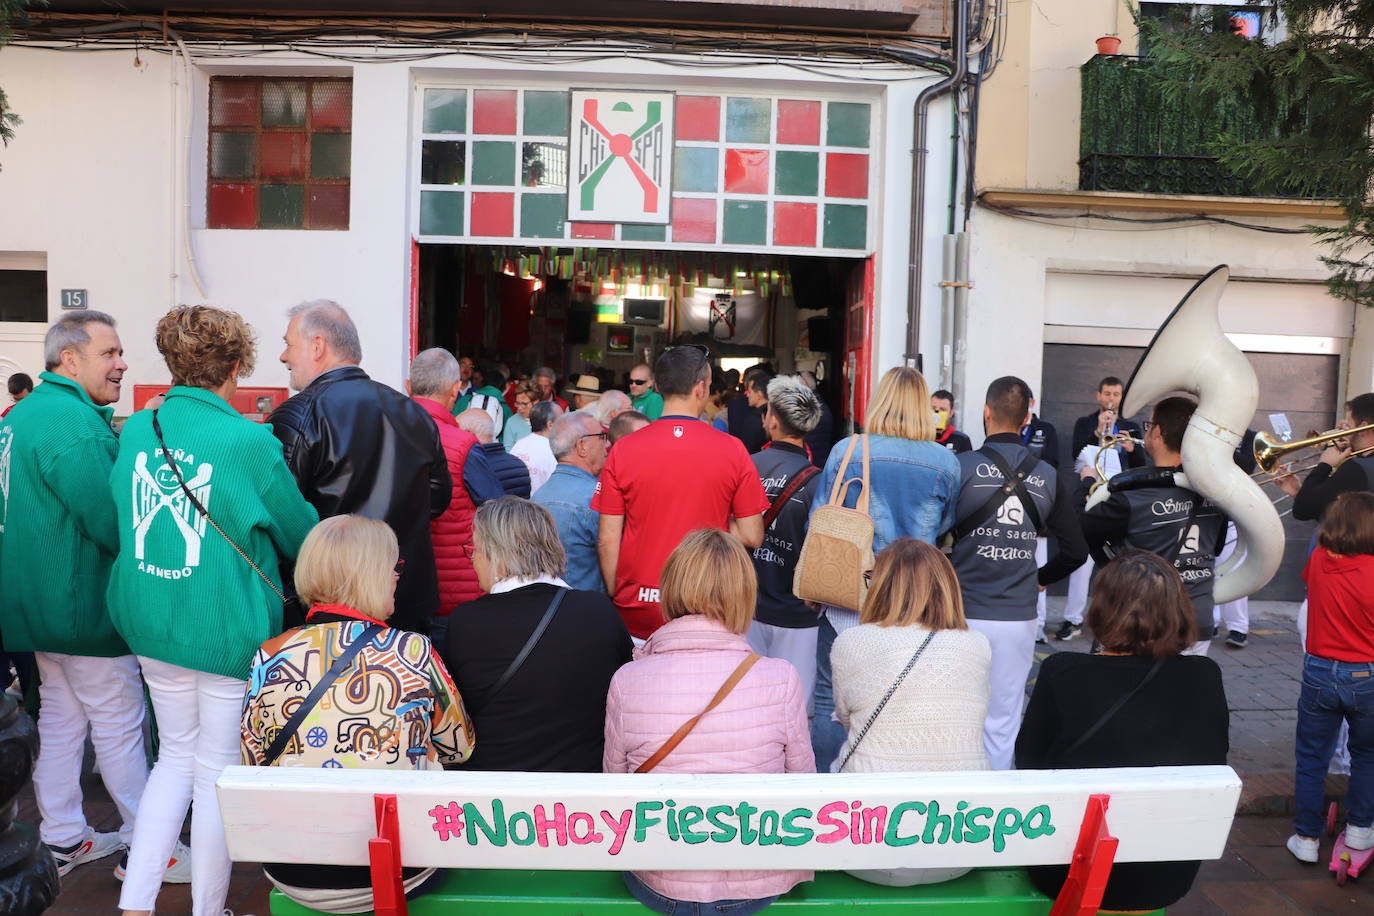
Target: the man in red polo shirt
pixel 673 476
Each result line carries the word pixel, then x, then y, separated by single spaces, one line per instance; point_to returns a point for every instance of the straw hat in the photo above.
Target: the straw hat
pixel 586 384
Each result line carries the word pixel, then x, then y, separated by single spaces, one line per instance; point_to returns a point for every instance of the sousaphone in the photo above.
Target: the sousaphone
pixel 1190 353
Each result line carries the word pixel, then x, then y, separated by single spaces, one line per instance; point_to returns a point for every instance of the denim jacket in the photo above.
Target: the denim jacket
pixel 568 497
pixel 914 487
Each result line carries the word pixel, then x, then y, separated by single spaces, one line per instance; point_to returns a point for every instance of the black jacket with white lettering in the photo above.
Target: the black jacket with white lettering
pixel 996 561
pixel 776 559
pixel 1153 518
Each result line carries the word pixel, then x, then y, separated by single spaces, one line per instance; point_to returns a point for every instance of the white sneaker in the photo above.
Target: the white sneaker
pixel 178 866
pixel 1304 849
pixel 1359 838
pixel 93 846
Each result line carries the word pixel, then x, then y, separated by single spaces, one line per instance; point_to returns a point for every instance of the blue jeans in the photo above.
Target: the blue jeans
pixel 827 735
pixel 661 904
pixel 1331 692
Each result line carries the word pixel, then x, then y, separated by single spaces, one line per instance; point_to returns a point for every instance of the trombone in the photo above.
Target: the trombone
pixel 1269 454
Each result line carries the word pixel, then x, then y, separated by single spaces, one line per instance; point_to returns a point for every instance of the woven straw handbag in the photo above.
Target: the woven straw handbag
pixel 838 549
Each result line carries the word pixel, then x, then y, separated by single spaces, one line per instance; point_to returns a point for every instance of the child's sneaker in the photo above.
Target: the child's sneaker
pixel 178 866
pixel 1359 838
pixel 93 846
pixel 1304 849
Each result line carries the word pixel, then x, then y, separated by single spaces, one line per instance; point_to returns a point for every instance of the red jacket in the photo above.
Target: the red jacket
pixel 452 530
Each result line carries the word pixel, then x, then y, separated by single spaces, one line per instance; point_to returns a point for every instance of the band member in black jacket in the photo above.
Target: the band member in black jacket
pixel 1105 421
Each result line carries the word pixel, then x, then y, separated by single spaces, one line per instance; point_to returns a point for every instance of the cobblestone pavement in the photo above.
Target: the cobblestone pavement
pixel 1255 877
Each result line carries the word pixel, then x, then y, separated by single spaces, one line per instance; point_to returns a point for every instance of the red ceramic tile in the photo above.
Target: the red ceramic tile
pixel 694 219
pixel 593 230
pixel 746 171
pixel 493 213
pixel 493 111
pixel 794 224
pixel 232 206
pixel 281 155
pixel 326 206
pixel 331 104
pixel 799 122
pixel 698 117
pixel 846 175
pixel 234 103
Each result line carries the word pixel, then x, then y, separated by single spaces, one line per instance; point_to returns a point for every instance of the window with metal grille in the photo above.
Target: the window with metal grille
pixel 280 152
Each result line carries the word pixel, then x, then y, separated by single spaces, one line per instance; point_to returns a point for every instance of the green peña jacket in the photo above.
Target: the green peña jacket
pixel 179 592
pixel 57 522
pixel 650 403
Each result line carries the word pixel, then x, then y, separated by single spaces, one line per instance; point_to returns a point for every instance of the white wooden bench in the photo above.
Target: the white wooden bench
pixel 577 822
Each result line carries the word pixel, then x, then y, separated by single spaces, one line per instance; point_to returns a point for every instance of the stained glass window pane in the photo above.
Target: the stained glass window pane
pixel 233 155
pixel 283 103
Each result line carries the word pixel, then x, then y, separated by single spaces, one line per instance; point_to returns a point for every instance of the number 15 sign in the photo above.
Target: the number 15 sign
pixel 621 159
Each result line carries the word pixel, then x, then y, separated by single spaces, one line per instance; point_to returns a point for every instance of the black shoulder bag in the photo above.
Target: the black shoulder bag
pixel 1013 484
pixel 525 651
pixel 341 664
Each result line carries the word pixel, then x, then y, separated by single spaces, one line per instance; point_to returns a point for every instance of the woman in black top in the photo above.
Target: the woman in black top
pixel 1143 618
pixel 550 715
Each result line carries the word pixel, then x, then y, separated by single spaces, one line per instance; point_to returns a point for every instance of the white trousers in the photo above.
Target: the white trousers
pixel 105 694
pixel 1233 615
pixel 1013 652
pixel 1042 556
pixel 198 736
pixel 796 644
pixel 1077 604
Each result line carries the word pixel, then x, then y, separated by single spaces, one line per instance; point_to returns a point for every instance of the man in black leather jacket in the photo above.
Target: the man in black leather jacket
pixel 357 446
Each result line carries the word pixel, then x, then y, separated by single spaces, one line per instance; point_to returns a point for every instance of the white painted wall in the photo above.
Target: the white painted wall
pixel 92 180
pixel 1033 278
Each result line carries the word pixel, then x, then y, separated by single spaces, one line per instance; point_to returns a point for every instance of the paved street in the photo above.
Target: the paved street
pixel 1256 877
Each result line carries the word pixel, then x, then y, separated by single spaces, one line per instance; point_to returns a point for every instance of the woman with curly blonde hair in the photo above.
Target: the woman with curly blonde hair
pixel 207 510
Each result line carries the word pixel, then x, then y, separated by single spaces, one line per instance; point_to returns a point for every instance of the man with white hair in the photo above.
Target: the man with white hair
pixel 509 470
pixel 580 445
pixel 783 625
pixel 433 384
pixel 609 406
pixel 358 446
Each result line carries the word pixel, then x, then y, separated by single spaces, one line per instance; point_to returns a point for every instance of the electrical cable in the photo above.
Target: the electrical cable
pixel 1146 223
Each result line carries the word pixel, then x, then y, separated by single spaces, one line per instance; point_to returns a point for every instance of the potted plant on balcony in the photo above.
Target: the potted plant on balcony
pixel 1108 44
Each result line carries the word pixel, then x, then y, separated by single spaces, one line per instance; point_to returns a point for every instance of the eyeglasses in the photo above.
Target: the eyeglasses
pixel 399 568
pixel 601 435
pixel 1147 426
pixel 469 550
pixel 639 381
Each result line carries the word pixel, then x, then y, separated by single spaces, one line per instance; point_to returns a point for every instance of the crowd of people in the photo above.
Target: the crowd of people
pixel 480 574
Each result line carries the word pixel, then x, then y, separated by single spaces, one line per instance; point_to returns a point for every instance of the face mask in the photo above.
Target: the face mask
pixel 941 420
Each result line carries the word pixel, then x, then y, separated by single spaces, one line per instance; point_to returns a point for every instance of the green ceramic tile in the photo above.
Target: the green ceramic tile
pixel 748 120
pixel 695 168
pixel 546 113
pixel 643 233
pixel 846 226
pixel 798 173
pixel 846 124
pixel 281 206
pixel 493 162
pixel 330 155
pixel 233 155
pixel 446 111
pixel 746 222
pixel 441 212
pixel 541 215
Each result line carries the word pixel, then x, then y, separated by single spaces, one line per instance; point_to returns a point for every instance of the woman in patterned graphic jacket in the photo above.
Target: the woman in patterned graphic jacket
pixel 392 707
pixel 189 605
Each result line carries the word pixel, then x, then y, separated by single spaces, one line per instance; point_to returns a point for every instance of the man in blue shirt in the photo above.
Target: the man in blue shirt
pixel 579 444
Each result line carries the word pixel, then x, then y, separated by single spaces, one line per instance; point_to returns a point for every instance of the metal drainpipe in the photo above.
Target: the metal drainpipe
pixel 959 62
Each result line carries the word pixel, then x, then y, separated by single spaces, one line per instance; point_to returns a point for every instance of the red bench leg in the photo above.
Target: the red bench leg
pixel 384 854
pixel 1093 856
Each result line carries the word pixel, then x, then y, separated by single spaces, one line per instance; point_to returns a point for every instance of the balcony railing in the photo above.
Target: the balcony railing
pixel 1134 138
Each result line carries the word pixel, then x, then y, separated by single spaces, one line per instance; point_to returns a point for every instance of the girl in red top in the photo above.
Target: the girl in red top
pixel 1338 674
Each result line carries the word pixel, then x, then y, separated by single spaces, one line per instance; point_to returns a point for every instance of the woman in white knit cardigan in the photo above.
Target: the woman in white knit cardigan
pixel 913 647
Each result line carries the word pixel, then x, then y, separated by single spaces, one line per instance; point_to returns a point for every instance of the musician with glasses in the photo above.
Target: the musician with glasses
pixel 1340 470
pixel 1165 519
pixel 643 397
pixel 674 476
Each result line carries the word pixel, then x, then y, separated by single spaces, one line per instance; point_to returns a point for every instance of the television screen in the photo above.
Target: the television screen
pixel 643 311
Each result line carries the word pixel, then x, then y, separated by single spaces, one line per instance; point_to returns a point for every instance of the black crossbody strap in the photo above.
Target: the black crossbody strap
pixel 528 647
pixel 200 507
pixel 1013 484
pixel 340 665
pixel 1115 708
pixel 883 702
pixel 795 484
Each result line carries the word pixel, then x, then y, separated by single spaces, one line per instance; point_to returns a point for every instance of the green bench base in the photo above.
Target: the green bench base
pixel 464 892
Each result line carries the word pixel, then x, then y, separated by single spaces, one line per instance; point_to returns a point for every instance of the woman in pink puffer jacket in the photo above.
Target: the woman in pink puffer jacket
pixel 707 594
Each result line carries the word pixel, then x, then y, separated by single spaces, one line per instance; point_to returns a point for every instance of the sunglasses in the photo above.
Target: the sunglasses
pixel 639 381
